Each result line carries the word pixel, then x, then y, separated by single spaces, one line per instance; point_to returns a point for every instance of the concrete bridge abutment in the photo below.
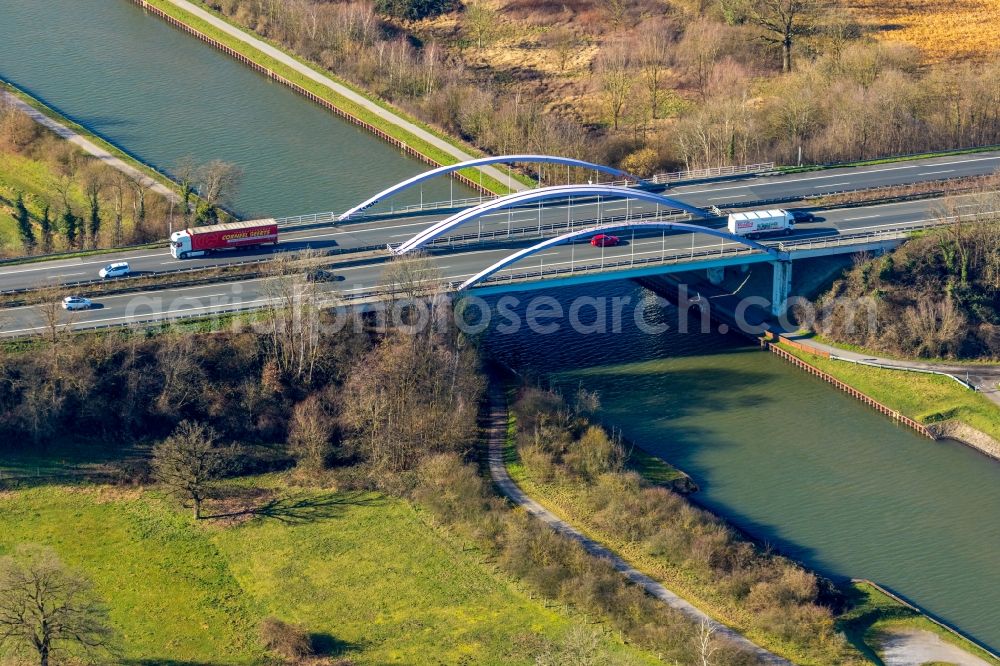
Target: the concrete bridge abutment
pixel 781 286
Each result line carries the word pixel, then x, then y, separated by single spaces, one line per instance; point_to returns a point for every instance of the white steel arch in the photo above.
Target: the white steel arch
pixel 483 161
pixel 572 235
pixel 545 193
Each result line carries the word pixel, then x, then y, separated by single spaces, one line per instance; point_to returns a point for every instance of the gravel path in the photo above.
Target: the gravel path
pixel 90 147
pixel 498 470
pixel 913 647
pixel 341 89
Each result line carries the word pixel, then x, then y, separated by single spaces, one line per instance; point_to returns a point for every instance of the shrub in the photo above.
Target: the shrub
pixel 414 10
pixel 309 435
pixel 286 640
pixel 450 488
pixel 594 454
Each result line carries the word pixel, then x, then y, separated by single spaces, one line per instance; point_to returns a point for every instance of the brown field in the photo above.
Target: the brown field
pixel 946 30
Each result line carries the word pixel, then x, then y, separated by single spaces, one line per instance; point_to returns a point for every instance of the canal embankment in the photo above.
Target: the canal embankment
pixel 89 142
pixel 375 116
pixel 937 405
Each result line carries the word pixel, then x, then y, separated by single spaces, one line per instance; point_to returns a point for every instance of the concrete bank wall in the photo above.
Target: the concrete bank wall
pixel 830 379
pixel 330 106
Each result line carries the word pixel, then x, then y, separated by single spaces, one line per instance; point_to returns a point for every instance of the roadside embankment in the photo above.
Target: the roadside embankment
pixel 384 122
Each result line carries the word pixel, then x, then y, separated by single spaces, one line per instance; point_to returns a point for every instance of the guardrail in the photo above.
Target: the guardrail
pixel 858 238
pixel 886 366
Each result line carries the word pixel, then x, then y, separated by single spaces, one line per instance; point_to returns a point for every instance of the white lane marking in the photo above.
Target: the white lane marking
pixel 46 267
pixel 72 274
pixel 863 217
pixel 151 314
pixel 931 173
pixel 681 190
pixel 732 196
pixel 830 185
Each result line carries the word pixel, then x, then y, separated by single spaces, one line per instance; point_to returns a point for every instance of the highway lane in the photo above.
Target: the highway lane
pixel 453 266
pixel 363 234
pixel 811 183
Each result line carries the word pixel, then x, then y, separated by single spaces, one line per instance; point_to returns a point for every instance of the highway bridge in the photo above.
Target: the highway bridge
pixel 537 244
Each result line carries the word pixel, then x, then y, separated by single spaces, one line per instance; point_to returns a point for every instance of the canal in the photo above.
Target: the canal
pixel 161 95
pixel 777 452
pixel 783 455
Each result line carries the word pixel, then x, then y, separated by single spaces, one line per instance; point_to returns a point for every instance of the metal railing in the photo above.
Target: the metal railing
pixel 862 237
pixel 658 179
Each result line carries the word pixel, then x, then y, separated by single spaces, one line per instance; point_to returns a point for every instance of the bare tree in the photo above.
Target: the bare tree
pixel 564 43
pixel 55 320
pixel 653 53
pixel 290 324
pixel 616 81
pixel 616 9
pixel 48 610
pixel 481 22
pixel 412 276
pixel 705 643
pixel 784 21
pixel 219 181
pixel 188 462
pixel 309 435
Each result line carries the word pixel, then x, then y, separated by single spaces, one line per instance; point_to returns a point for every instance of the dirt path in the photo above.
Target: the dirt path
pixel 498 470
pixel 913 647
pixel 90 147
pixel 340 89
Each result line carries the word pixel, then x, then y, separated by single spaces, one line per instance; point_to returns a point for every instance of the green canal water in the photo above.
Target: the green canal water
pixel 780 454
pixel 161 94
pixel 786 457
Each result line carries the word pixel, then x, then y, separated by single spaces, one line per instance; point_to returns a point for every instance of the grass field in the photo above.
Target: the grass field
pixel 365 574
pixel 924 398
pixel 943 29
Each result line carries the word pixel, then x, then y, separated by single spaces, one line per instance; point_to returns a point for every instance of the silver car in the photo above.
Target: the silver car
pixel 117 269
pixel 77 303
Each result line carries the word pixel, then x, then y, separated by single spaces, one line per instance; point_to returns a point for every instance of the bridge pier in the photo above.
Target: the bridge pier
pixel 716 275
pixel 781 287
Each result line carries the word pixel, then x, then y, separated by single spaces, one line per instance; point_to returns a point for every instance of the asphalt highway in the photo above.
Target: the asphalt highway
pixel 380 232
pixel 453 266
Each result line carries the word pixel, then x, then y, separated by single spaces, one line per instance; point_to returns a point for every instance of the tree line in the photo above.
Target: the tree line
pixel 643 84
pixel 79 203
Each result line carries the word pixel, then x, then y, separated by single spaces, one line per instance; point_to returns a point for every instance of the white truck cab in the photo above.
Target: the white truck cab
pixel 180 246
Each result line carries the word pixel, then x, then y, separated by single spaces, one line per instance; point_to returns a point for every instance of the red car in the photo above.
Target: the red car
pixel 604 240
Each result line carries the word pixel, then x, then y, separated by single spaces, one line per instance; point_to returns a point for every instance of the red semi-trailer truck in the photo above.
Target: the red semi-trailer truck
pixel 199 241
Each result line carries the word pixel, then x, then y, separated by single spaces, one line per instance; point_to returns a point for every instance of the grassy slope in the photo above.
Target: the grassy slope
pixel 368 575
pixel 356 110
pixel 925 398
pixel 35 180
